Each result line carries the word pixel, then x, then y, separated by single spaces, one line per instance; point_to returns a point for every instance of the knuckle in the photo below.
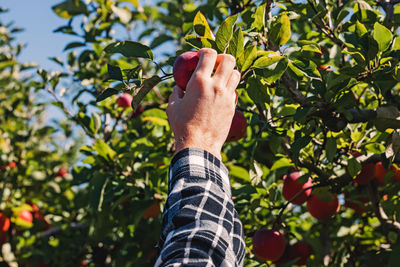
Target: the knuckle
pixel 229 58
pixel 219 88
pixel 208 51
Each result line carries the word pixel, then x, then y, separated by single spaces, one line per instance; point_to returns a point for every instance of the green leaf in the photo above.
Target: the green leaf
pixel 257 91
pixel 265 61
pixel 104 150
pixel 247 57
pixel 201 27
pixel 394 258
pixel 144 89
pixel 69 8
pixel 258 22
pixel 330 148
pixel 123 14
pixel 236 44
pixel 353 167
pixel 383 36
pixel 159 40
pixel 280 30
pixel 95 123
pixel 200 42
pixel 73 45
pixel 360 29
pixel 275 71
pixel 114 73
pixel 396 44
pixel 281 163
pixel 106 94
pixel 224 33
pixel 239 173
pixel 130 49
pixel 299 144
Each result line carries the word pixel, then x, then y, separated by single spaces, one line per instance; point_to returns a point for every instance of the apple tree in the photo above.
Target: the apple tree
pixel 318 166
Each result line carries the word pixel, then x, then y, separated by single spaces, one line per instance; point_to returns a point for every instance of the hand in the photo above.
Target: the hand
pixel 201 117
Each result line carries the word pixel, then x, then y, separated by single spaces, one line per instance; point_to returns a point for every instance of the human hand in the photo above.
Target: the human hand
pixel 201 117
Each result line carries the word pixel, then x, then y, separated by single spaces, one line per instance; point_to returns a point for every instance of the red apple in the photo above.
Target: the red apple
pixel 380 173
pixel 26 215
pixel 4 227
pixel 61 172
pixel 12 164
pixel 124 100
pixel 152 211
pixel 137 112
pixel 301 251
pixel 184 66
pixel 324 67
pixel 396 172
pixel 238 127
pixel 366 175
pixel 291 187
pixel 268 244
pixel 323 207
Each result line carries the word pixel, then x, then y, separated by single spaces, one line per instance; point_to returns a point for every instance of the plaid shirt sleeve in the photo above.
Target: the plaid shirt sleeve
pixel 200 224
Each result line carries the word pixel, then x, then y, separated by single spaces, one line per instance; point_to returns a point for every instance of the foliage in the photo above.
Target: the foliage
pixel 320 82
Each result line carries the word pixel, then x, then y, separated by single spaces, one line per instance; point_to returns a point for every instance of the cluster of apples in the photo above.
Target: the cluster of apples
pixel 320 202
pixel 183 68
pixel 370 172
pixel 271 245
pixel 24 217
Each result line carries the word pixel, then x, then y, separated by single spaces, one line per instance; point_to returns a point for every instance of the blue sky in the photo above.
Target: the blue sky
pixel 39 22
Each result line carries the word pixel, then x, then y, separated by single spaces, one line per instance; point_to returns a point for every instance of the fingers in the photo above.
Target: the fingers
pixel 225 68
pixel 234 80
pixel 206 63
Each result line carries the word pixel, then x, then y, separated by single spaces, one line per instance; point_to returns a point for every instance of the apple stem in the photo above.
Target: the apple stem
pixel 279 216
pixel 166 77
pixel 159 67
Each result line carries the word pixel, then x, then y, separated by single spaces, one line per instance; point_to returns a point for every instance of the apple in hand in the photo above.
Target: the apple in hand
pixel 268 244
pixel 291 187
pixel 184 66
pixel 124 100
pixel 322 204
pixel 238 127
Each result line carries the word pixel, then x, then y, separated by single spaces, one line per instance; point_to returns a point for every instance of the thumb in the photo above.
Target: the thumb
pixel 176 95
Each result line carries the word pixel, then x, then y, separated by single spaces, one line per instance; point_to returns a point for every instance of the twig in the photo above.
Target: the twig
pixel 325 28
pixel 66 111
pixel 380 213
pixel 57 229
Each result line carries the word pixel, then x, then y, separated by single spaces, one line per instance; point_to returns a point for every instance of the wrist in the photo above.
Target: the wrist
pixel 182 143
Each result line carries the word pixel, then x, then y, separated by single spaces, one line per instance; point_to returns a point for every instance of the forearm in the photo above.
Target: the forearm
pixel 200 224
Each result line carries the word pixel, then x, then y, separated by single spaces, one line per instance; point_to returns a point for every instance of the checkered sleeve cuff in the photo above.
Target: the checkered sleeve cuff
pixel 200 224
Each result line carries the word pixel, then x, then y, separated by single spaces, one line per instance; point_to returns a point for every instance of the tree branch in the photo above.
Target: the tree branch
pixel 380 213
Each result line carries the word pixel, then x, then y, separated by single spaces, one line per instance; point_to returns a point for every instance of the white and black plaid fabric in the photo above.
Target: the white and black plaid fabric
pixel 200 224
